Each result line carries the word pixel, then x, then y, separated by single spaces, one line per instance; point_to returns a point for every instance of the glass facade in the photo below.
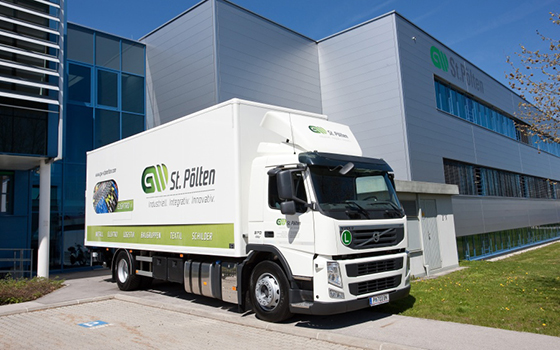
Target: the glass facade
pixel 453 101
pixel 494 243
pixel 104 103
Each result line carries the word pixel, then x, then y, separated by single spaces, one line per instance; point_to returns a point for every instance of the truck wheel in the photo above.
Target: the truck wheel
pixel 269 292
pixel 125 279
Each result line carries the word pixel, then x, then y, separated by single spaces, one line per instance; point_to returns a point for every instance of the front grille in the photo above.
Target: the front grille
pixel 374 236
pixel 369 268
pixel 374 285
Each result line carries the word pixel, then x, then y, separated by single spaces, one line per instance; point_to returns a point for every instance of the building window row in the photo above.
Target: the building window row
pixel 106 51
pixel 106 91
pixel 453 101
pixel 113 89
pixel 476 180
pixel 487 244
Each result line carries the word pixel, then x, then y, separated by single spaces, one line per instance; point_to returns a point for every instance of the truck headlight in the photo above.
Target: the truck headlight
pixel 333 272
pixel 336 294
pixel 407 263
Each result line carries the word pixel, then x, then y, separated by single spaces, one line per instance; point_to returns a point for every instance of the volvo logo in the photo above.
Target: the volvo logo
pixel 376 237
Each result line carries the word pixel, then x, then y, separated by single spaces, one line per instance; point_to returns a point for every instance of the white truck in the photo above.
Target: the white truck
pixel 270 208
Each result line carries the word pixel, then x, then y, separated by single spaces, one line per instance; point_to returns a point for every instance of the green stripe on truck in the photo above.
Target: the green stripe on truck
pixel 210 236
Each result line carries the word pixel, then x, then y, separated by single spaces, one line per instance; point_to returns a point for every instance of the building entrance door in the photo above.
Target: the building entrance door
pixel 430 235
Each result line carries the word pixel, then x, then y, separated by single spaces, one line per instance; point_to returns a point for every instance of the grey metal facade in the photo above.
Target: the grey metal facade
pixel 264 62
pixel 180 66
pixel 361 87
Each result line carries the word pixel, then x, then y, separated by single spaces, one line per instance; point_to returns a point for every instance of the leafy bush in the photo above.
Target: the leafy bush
pixel 23 289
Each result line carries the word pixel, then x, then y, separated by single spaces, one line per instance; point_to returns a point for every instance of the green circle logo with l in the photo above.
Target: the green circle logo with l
pixel 346 237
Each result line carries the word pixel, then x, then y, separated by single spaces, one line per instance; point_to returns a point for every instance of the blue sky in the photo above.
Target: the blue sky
pixel 482 31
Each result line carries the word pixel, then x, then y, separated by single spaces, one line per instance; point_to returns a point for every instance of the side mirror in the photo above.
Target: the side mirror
pixel 392 179
pixel 285 185
pixel 288 208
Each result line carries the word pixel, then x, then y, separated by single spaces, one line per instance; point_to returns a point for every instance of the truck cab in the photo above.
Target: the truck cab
pixel 336 228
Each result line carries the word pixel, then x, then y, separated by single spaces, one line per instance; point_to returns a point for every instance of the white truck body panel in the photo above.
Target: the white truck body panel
pixel 183 187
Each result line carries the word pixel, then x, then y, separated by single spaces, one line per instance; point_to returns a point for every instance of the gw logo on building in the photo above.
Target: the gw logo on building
pixel 156 178
pixel 459 71
pixel 439 59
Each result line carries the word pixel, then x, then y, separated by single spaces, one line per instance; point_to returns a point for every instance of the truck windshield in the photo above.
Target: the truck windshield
pixel 361 194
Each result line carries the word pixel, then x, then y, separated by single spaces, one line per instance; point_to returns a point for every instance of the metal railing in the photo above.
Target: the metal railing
pixel 16 262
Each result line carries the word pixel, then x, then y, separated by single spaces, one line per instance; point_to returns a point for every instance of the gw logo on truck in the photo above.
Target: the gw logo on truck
pixel 320 130
pixel 317 129
pixel 154 178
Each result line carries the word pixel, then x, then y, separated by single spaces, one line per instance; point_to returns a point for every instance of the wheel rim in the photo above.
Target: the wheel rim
pixel 122 270
pixel 267 291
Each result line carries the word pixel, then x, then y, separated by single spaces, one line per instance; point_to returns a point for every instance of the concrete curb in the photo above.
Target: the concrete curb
pixel 34 306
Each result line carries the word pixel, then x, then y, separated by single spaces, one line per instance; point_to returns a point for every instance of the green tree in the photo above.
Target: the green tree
pixel 536 77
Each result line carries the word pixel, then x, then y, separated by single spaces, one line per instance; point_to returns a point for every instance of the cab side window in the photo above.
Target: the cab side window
pixel 299 189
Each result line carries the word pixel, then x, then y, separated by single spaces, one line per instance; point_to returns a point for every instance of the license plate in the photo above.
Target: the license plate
pixel 379 299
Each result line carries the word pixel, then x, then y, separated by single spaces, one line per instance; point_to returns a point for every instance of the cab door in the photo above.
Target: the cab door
pixel 292 234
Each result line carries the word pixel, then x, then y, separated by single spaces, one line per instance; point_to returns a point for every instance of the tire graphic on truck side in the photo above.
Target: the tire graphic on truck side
pixel 105 197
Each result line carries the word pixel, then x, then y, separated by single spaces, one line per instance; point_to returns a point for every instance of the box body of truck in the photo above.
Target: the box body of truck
pixel 195 201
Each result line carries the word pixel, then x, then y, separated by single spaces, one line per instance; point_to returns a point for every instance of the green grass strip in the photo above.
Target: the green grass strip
pixel 520 293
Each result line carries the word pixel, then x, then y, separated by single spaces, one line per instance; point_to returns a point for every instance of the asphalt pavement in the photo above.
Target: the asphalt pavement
pixel 91 312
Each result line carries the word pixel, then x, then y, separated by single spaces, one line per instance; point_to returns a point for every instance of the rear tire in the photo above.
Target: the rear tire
pixel 269 292
pixel 126 279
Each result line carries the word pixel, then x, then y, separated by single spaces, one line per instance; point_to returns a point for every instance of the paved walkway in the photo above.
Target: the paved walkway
pixel 167 317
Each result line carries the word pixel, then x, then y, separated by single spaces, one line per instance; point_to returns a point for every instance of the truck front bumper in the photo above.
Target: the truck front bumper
pixel 322 308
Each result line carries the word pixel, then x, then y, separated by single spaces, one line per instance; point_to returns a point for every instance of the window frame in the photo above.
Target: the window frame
pixel 8 193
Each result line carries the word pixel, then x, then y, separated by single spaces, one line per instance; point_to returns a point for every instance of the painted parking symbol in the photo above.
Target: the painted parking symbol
pixel 93 324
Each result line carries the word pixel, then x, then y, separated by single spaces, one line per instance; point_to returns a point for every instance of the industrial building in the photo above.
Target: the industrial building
pixel 472 185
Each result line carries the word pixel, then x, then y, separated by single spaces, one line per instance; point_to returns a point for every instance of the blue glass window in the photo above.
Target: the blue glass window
pixel 107 51
pixel 132 93
pixel 80 44
pixel 6 192
pixel 107 88
pixel 79 133
pixel 74 189
pixel 79 83
pixel 133 58
pixel 132 124
pixel 107 127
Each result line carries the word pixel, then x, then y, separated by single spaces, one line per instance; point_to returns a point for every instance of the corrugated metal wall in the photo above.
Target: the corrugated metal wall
pixel 180 66
pixel 360 86
pixel 264 62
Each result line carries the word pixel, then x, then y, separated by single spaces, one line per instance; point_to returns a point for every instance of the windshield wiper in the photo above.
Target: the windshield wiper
pixel 360 209
pixel 393 205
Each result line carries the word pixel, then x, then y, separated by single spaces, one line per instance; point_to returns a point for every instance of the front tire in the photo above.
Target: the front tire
pixel 269 292
pixel 126 280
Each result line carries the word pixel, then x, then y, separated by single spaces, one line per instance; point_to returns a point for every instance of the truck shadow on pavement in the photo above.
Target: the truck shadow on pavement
pixel 355 317
pixel 174 290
